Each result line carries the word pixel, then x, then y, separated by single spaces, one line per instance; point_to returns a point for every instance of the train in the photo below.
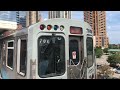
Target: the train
pixel 58 48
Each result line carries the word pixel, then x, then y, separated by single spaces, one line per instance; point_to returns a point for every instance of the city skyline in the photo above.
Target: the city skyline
pixel 112 21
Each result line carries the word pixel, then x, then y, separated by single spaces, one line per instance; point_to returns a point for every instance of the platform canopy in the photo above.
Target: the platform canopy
pixel 7 25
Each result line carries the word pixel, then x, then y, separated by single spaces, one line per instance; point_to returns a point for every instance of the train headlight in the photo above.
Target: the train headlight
pixel 49 27
pixel 61 27
pixel 56 27
pixel 92 76
pixel 42 26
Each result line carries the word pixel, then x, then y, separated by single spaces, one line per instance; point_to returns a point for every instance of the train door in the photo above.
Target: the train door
pixel 51 56
pixel 76 57
pixel 21 57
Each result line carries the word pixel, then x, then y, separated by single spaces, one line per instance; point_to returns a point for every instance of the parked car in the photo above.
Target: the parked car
pixel 113 78
pixel 98 66
pixel 113 69
pixel 118 70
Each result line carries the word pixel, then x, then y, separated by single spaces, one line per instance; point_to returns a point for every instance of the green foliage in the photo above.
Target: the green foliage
pixel 114 59
pixel 105 50
pixel 98 52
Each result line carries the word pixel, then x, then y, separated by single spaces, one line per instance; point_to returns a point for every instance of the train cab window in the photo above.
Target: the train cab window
pixel 89 43
pixel 10 54
pixel 74 52
pixel 22 57
pixel 51 56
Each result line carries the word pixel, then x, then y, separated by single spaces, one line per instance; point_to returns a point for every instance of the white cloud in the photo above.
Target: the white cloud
pixel 8 15
pixel 45 19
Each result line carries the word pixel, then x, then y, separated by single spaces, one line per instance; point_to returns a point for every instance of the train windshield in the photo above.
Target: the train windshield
pixel 51 56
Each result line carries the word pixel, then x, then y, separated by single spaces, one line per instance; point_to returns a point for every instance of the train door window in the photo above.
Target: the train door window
pixel 10 54
pixel 21 56
pixel 51 56
pixel 89 44
pixel 74 50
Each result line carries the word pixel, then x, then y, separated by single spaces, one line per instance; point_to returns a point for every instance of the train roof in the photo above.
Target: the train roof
pixel 21 32
pixel 87 25
pixel 62 20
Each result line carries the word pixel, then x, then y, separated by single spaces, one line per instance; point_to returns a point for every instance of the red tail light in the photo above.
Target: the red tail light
pixel 49 27
pixel 42 26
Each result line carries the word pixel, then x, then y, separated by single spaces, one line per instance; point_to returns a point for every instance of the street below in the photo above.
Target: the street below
pixel 103 61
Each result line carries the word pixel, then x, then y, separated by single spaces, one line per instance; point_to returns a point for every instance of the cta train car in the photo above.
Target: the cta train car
pixel 53 49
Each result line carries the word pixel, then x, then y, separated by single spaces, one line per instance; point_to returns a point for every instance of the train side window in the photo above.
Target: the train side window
pixel 10 54
pixel 89 44
pixel 22 57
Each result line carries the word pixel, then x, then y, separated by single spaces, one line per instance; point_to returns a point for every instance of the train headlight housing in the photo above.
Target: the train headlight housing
pixel 56 27
pixel 92 76
pixel 49 27
pixel 62 27
pixel 42 26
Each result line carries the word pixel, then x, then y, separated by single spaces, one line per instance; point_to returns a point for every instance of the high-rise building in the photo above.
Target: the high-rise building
pixel 21 18
pixel 32 17
pixel 59 14
pixel 23 21
pixel 97 20
pixel 17 17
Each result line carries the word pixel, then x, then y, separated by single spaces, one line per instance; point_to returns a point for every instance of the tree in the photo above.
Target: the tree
pixel 114 59
pixel 110 46
pixel 105 50
pixel 98 52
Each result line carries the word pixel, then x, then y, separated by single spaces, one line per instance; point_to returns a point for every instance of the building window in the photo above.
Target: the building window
pixel 22 57
pixel 10 54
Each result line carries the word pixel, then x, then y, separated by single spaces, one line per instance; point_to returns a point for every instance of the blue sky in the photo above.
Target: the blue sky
pixel 112 21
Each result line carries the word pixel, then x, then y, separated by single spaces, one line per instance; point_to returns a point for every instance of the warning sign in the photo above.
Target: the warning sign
pixel 74 55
